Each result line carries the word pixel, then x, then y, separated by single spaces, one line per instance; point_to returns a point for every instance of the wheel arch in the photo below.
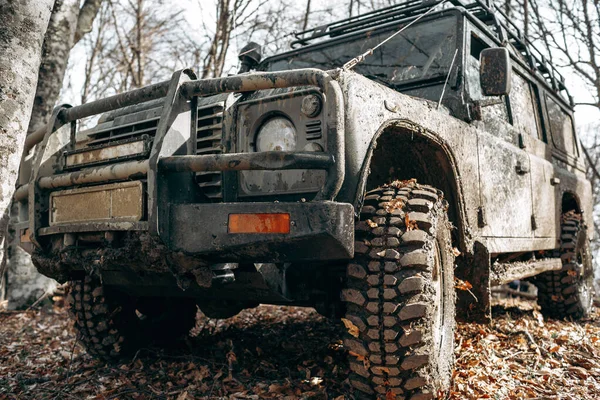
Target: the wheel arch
pixel 570 202
pixel 383 164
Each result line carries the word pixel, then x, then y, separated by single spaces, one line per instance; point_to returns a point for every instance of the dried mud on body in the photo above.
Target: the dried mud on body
pixel 293 353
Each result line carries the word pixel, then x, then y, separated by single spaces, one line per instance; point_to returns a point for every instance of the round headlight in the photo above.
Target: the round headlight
pixel 276 134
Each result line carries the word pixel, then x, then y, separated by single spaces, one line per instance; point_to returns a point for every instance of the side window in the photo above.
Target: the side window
pixel 524 106
pixel 561 127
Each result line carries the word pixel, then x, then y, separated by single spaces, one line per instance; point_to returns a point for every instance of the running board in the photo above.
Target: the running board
pixel 503 273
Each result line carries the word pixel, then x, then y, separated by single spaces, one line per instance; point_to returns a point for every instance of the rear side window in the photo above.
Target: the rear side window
pixel 561 128
pixel 524 106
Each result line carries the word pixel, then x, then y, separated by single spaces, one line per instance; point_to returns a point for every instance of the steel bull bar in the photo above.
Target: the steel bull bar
pixel 183 87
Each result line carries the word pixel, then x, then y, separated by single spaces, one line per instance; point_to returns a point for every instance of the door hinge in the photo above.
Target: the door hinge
pixel 533 223
pixel 521 141
pixel 481 220
pixel 522 168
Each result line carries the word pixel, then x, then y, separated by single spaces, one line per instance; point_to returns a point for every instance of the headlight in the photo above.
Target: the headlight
pixel 276 134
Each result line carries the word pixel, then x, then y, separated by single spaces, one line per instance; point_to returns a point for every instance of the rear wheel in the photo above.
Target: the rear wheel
pixel 112 325
pixel 400 295
pixel 569 292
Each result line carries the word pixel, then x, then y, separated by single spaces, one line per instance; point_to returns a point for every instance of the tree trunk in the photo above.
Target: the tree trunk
pixel 86 18
pixel 23 24
pixel 25 284
pixel 66 26
pixel 55 55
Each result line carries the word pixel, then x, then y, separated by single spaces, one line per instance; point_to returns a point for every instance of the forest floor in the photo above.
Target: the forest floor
pixel 293 353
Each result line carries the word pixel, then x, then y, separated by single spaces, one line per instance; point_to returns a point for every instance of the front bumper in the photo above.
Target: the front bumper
pixel 176 212
pixel 318 231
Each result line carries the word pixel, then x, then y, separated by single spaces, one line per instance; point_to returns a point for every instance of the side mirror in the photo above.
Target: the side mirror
pixel 250 55
pixel 495 72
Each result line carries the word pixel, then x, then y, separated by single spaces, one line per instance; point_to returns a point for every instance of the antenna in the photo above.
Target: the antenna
pixel 447 78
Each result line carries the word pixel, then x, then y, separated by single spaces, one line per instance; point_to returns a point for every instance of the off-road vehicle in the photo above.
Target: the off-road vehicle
pixel 387 165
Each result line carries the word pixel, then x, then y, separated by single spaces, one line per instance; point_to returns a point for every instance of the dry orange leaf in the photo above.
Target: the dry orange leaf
pixel 390 395
pixel 393 205
pixel 462 285
pixel 410 225
pixel 371 224
pixel 400 184
pixel 352 329
pixel 360 358
pixel 384 370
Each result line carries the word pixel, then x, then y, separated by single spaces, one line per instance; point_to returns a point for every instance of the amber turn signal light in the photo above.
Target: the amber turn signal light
pixel 259 223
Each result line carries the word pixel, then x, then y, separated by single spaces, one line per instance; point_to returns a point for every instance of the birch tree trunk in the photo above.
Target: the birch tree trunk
pixel 55 55
pixel 67 25
pixel 23 24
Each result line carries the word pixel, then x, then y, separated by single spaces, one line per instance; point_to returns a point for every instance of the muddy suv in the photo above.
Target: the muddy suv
pixel 444 159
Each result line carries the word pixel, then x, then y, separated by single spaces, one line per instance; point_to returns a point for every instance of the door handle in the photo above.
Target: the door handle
pixel 522 168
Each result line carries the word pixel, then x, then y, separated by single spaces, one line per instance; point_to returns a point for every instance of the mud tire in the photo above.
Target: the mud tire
pixel 569 293
pixel 110 327
pixel 400 290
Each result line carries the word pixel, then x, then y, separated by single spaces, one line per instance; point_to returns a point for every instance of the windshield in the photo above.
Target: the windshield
pixel 423 51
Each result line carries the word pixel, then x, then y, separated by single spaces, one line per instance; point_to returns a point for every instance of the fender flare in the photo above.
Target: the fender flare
pixel 391 127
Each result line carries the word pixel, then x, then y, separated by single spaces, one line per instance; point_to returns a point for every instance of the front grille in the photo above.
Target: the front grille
pixel 313 130
pixel 209 141
pixel 123 132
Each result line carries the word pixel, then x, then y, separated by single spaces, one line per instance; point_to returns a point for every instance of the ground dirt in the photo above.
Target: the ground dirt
pixel 293 353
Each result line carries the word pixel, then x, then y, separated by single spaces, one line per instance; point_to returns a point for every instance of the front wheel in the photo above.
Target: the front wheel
pixel 112 325
pixel 400 295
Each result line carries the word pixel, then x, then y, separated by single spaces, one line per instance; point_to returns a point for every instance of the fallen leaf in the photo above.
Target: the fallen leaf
pixel 462 285
pixel 315 381
pixel 410 225
pixel 362 358
pixel 383 370
pixel 352 329
pixel 183 395
pixel 393 205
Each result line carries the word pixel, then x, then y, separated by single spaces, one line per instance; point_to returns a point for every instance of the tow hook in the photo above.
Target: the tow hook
pixel 223 273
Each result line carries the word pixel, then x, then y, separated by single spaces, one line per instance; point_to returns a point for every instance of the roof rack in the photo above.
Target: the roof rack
pixel 485 11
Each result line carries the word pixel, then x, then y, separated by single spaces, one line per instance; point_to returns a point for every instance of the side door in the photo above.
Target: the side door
pixel 526 110
pixel 504 169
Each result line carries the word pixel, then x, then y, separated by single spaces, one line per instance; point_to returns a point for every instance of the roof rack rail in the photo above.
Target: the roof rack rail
pixel 486 11
pixel 403 10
